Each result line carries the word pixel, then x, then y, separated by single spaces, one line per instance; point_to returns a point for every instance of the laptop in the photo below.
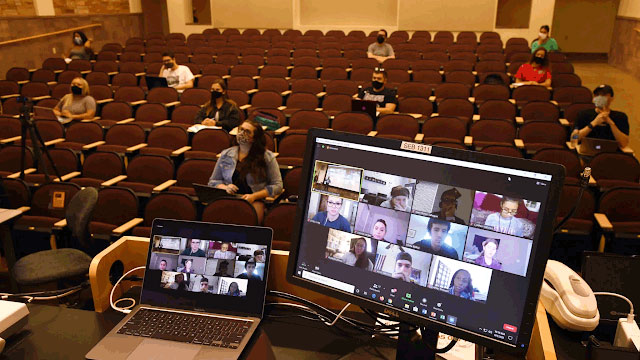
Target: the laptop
pixel 612 273
pixel 202 296
pixel 207 194
pixel 592 146
pixel 365 106
pixel 155 81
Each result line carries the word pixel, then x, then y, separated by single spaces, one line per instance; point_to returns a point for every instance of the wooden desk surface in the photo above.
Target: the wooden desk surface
pixel 8 214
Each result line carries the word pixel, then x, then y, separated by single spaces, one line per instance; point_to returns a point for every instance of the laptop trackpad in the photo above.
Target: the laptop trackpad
pixel 162 349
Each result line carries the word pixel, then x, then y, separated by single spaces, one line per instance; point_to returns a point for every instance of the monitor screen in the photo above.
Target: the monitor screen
pixel 452 239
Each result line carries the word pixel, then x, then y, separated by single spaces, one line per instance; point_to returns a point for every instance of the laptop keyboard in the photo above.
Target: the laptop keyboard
pixel 187 328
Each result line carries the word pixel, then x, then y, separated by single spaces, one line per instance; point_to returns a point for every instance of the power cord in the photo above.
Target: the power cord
pixel 114 305
pixel 630 316
pixel 584 183
pixel 45 295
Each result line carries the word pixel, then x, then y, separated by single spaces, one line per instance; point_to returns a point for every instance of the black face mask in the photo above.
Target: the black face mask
pixel 538 60
pixel 377 84
pixel 380 39
pixel 215 95
pixel 76 90
pixel 168 65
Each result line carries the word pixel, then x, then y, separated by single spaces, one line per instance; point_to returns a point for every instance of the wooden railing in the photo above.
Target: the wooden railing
pixel 13 41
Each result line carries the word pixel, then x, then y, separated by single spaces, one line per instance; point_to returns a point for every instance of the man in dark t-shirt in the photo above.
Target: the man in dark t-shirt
pixel 438 230
pixel 378 92
pixel 602 122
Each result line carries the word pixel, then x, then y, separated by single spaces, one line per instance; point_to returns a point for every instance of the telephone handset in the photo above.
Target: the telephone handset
pixel 568 298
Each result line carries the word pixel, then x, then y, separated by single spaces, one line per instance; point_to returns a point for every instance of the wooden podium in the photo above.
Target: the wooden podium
pixel 132 252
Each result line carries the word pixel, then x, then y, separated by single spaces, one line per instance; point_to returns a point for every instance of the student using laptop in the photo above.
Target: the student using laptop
pixel 602 122
pixel 220 110
pixel 78 104
pixel 249 168
pixel 178 77
pixel 385 97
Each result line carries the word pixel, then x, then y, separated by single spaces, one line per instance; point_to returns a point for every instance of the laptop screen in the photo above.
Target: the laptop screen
pixel 450 241
pixel 207 267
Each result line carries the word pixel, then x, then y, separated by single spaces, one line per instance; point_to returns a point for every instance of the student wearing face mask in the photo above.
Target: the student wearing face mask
pixel 602 122
pixel 77 105
pixel 220 110
pixel 81 49
pixel 544 40
pixel 378 92
pixel 536 71
pixel 381 50
pixel 178 77
pixel 248 169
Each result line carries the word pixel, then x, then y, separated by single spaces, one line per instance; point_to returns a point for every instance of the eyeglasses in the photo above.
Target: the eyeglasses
pixel 333 203
pixel 450 201
pixel 241 130
pixel 510 211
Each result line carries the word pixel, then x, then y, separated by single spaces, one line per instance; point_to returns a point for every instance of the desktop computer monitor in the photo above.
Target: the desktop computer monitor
pixel 453 240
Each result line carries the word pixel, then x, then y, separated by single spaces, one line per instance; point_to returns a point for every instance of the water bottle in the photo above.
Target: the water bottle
pixel 574 138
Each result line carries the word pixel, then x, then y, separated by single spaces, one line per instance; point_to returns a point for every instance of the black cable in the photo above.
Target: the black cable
pixel 449 346
pixel 584 183
pixel 48 292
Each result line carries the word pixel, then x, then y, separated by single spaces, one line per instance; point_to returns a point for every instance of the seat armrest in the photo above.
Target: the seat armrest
pixel 603 221
pixel 170 104
pixel 136 147
pixel 23 209
pixel 140 74
pixel 434 114
pixel 257 77
pixel 10 140
pixel 252 91
pixel 68 176
pixel 475 117
pixel 592 181
pixel 139 102
pixel 126 121
pixel 114 181
pixel 553 101
pixel 245 107
pixel 627 150
pixel 281 130
pixel 161 123
pixel 513 101
pixel 93 145
pixel 226 77
pixel 418 138
pixel 372 133
pixel 519 143
pixel 165 185
pixel 415 116
pixel 53 142
pixel 50 83
pixel 17 175
pixel 127 226
pixel 321 94
pixel 472 99
pixel 318 109
pixel 564 122
pixel 281 107
pixel 180 151
pixel 432 98
pixel 468 140
pixel 570 146
pixel 285 93
pixel 92 119
pixel 234 131
pixel 112 73
pixel 60 224
pixel 38 98
pixel 9 96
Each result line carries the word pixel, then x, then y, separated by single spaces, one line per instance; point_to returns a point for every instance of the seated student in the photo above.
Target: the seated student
pixel 486 258
pixel 223 267
pixel 220 110
pixel 249 267
pixel 385 97
pixel 81 49
pixel 194 249
pixel 602 122
pixel 332 218
pixel 449 205
pixel 536 71
pixel 402 269
pixel 379 231
pixel 259 255
pixel 186 267
pixel 505 221
pixel 438 229
pixel 179 283
pixel 399 199
pixel 381 50
pixel 234 290
pixel 77 105
pixel 358 256
pixel 163 265
pixel 224 253
pixel 204 285
pixel 178 77
pixel 249 168
pixel 461 285
pixel 544 40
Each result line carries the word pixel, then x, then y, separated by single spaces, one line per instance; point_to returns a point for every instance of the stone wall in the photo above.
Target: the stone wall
pixel 17 8
pixel 625 45
pixel 65 7
pixel 31 53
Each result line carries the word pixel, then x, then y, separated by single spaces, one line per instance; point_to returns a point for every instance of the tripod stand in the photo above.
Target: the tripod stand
pixel 36 141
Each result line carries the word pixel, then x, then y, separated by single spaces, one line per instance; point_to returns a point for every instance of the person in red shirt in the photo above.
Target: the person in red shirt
pixel 536 71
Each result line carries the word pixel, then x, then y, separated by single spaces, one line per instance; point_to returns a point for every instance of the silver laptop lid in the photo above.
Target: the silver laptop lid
pixel 213 268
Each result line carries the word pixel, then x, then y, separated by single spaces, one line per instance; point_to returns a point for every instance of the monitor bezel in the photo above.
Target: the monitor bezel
pixel 538 264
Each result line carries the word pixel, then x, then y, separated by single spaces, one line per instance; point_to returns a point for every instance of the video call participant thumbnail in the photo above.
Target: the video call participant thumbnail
pixel 351 249
pixel 204 285
pixel 249 272
pixel 504 214
pixel 386 190
pixel 399 199
pixel 233 287
pixel 193 248
pixel 332 218
pixel 382 224
pixel 498 251
pixel 460 279
pixel 225 268
pixel 180 283
pixel 438 237
pixel 163 261
pixel 402 263
pixel 338 180
pixel 187 266
pixel 224 252
pixel 449 205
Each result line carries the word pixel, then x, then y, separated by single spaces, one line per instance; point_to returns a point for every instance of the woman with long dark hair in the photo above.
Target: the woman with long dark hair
pixel 544 40
pixel 81 49
pixel 536 71
pixel 358 255
pixel 249 168
pixel 461 284
pixel 220 110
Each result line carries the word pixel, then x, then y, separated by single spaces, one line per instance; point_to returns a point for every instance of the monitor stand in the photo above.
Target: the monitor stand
pixel 412 346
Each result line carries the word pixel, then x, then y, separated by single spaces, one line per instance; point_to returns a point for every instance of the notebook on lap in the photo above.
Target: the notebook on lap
pixel 207 194
pixel 202 296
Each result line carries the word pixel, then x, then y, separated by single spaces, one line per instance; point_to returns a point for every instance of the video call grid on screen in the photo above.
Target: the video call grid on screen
pixel 473 239
pixel 207 266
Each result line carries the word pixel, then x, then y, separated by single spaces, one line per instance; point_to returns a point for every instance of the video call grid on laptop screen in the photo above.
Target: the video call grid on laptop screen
pixel 217 270
pixel 444 239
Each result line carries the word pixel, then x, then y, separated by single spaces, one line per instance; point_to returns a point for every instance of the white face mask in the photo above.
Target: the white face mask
pixel 542 36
